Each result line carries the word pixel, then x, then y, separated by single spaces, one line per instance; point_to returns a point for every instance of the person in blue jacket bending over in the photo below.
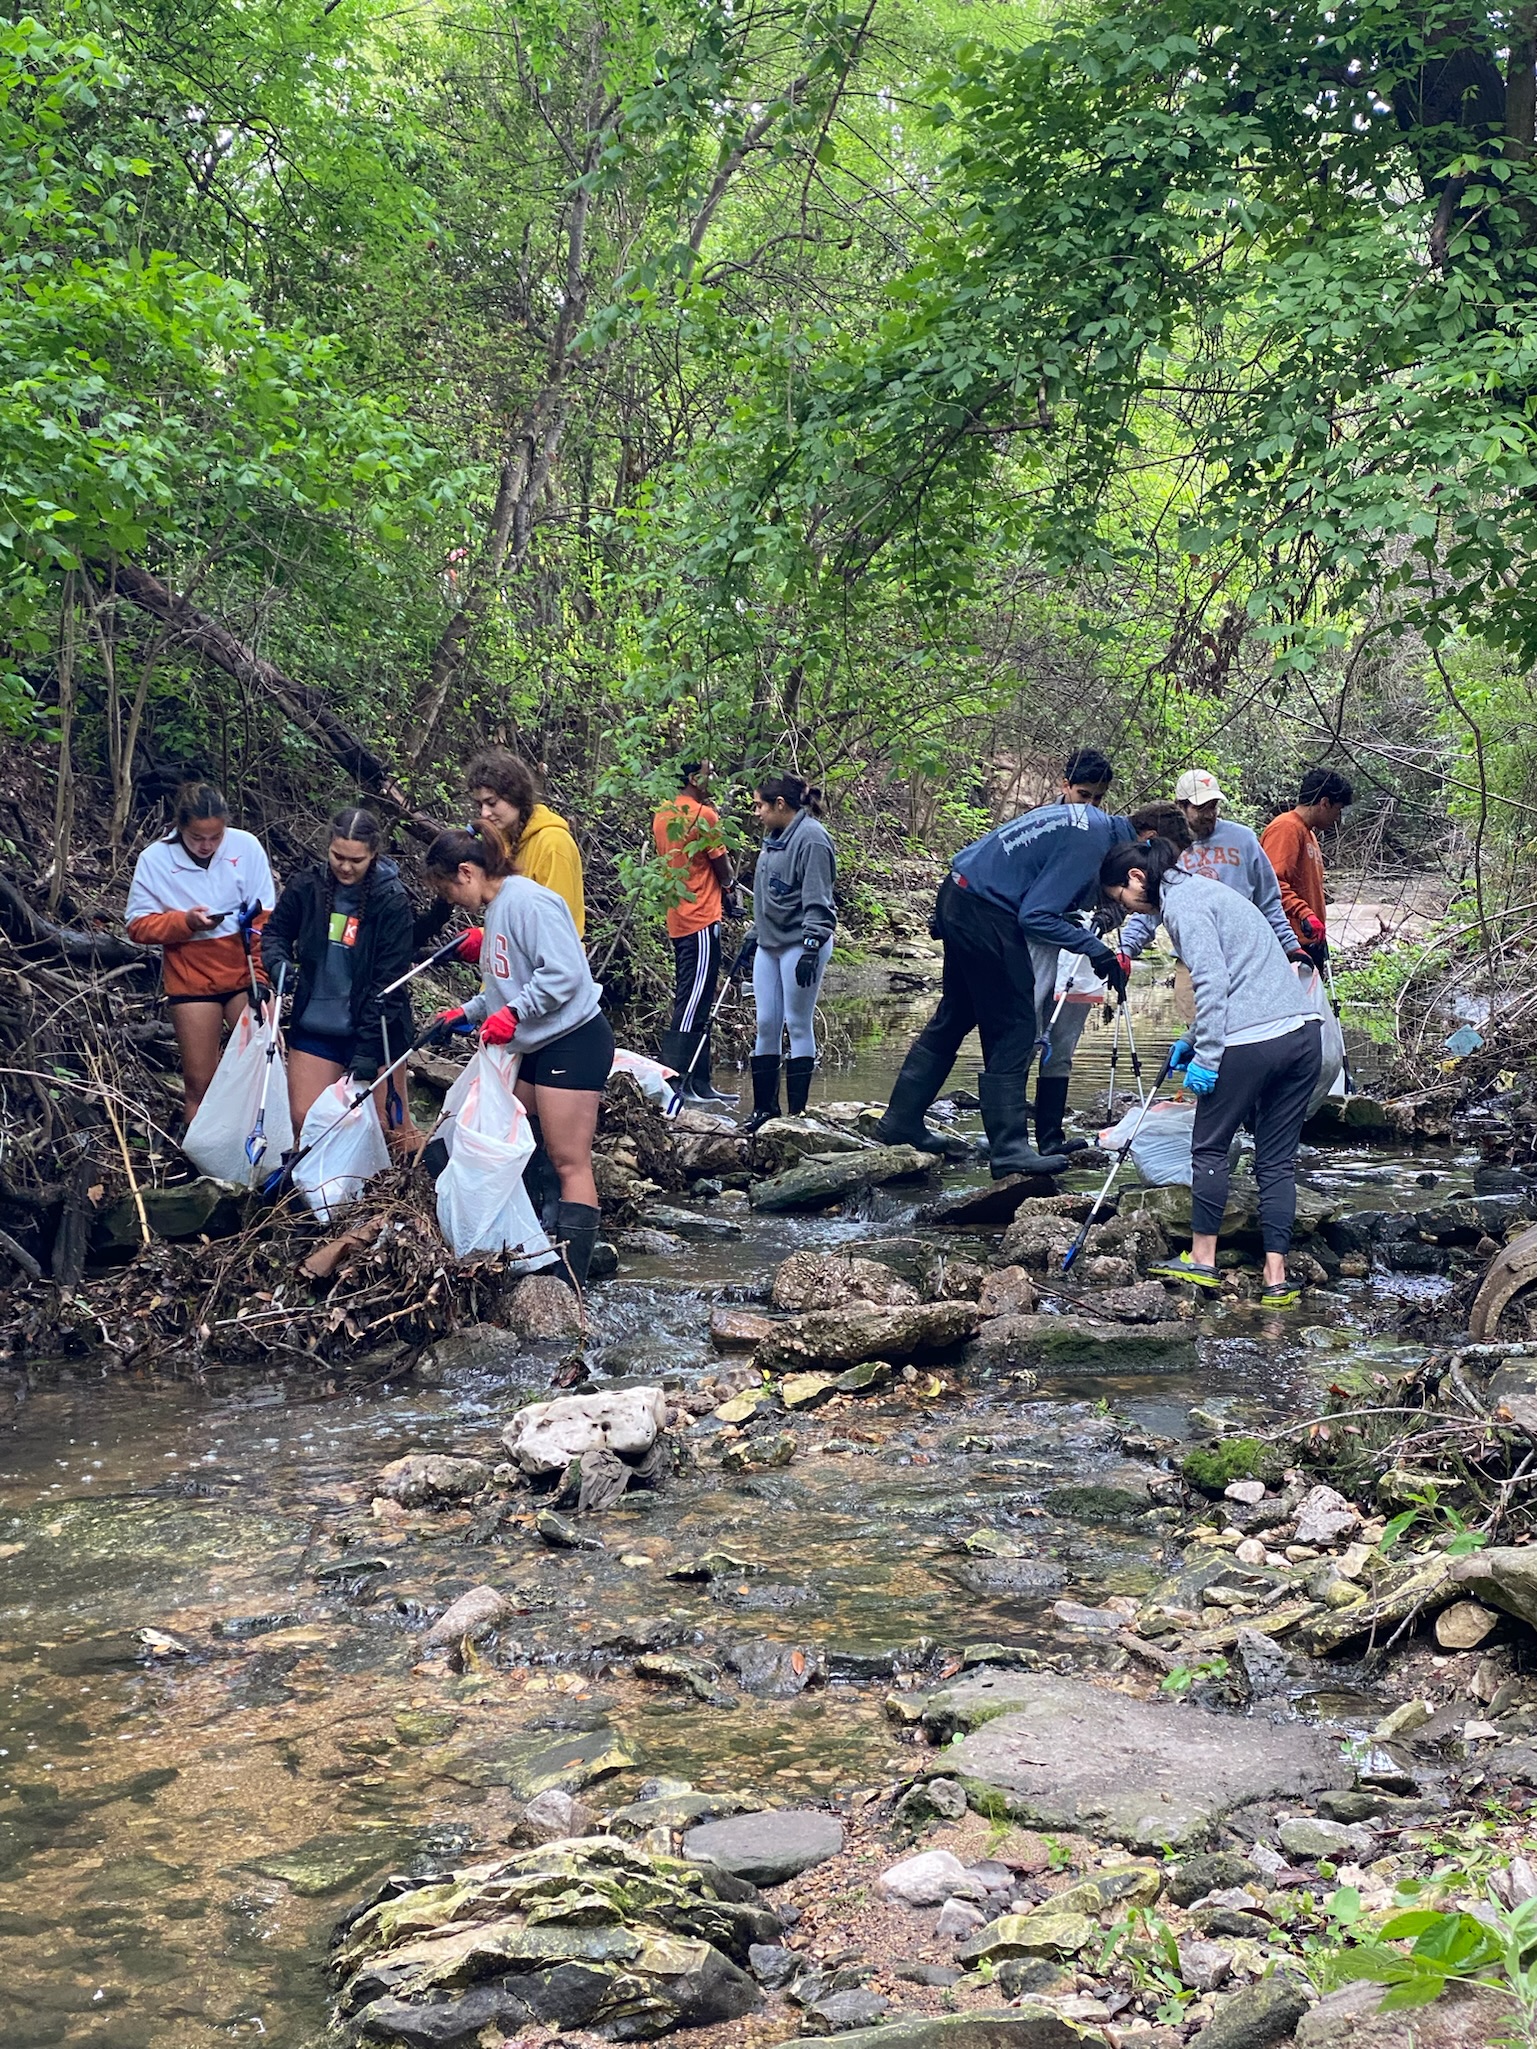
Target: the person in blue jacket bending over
pixel 1003 914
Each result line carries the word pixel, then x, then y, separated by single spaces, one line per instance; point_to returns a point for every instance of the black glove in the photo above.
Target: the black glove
pixel 1110 972
pixel 365 1068
pixel 806 966
pixel 746 956
pixel 731 903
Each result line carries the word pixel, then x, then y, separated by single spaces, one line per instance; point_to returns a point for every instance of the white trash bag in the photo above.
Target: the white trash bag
pixel 349 1149
pixel 1331 1076
pixel 1161 1150
pixel 216 1138
pixel 654 1079
pixel 482 1203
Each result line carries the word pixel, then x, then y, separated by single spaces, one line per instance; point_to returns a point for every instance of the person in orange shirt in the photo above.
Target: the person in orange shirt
pixel 687 834
pixel 1291 843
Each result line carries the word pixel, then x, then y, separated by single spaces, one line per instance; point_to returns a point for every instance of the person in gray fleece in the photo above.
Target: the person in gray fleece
pixel 1253 1056
pixel 794 918
pixel 538 996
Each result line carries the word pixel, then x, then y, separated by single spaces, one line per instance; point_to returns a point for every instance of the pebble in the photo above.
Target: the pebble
pixel 958 1918
pixel 1249 1492
pixel 928 1879
pixel 1205 1965
pixel 1325 1517
pixel 1250 1552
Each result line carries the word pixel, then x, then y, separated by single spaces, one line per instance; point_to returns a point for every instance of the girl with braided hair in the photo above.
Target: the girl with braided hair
pixel 343 929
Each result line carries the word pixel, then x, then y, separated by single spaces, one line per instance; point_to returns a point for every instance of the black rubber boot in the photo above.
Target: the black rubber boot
pixel 922 1077
pixel 1006 1120
pixel 799 1069
pixel 541 1183
pixel 765 1090
pixel 1050 1113
pixel 576 1230
pixel 694 1085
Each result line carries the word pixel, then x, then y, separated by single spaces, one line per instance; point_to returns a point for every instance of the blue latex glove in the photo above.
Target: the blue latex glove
pixel 1181 1053
pixel 1200 1080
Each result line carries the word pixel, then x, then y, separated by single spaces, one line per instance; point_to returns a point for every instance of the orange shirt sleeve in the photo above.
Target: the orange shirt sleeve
pixel 1285 842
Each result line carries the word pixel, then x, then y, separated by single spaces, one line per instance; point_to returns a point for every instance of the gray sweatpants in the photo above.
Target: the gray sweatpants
pixel 782 1001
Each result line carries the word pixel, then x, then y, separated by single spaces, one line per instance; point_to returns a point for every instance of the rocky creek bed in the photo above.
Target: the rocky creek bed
pixel 903 1555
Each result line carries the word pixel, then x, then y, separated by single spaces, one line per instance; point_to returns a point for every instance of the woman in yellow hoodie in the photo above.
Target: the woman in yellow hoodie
pixel 537 840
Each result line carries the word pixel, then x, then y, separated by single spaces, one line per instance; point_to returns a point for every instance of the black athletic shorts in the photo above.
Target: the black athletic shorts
pixel 580 1059
pixel 211 996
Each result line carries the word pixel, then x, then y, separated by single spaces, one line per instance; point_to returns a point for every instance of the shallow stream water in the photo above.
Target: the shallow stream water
pixel 178 1835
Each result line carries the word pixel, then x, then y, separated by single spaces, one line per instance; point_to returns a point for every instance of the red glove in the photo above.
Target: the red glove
pixel 470 945
pixel 1312 929
pixel 448 1024
pixel 500 1028
pixel 1123 961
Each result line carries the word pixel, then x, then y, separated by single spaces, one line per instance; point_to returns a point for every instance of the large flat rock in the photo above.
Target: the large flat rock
pixel 1074 1344
pixel 1020 2027
pixel 849 1336
pixel 824 1179
pixel 1074 1756
pixel 768 1847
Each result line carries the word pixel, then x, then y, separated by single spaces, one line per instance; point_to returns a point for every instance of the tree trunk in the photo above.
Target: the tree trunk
pixel 64 795
pixel 305 707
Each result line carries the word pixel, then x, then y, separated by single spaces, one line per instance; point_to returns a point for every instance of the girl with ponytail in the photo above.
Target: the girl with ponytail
pixel 794 917
pixel 343 929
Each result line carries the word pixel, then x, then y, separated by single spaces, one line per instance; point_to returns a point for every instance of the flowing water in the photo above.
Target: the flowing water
pixel 179 1833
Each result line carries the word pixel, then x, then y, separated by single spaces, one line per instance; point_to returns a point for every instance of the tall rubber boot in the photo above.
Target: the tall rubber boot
pixel 677 1051
pixel 799 1069
pixel 1050 1115
pixel 541 1183
pixel 1006 1120
pixel 923 1075
pixel 576 1229
pixel 765 1090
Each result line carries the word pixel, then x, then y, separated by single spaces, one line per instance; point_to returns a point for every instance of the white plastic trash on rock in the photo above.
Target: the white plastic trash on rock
pixel 216 1138
pixel 349 1149
pixel 482 1203
pixel 654 1079
pixel 1160 1152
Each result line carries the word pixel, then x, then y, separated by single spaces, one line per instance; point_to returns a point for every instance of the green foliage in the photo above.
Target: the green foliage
pixel 1418 1954
pixel 1183 1677
pixel 1235 1458
pixel 1428 1510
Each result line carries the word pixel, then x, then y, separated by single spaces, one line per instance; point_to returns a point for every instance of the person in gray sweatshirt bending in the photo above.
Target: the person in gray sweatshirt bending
pixel 537 993
pixel 1253 1056
pixel 1222 851
pixel 794 918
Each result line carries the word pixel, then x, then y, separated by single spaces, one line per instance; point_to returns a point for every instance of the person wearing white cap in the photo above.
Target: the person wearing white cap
pixel 1222 851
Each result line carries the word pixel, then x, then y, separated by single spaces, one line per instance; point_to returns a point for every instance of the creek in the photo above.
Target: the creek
pixel 178 1834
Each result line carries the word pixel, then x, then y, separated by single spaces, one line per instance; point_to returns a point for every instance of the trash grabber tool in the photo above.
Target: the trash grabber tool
pixel 1334 1005
pixel 1115 1167
pixel 1043 1043
pixel 256 1144
pixel 445 952
pixel 680 1081
pixel 247 918
pixel 1115 1057
pixel 1136 1058
pixel 278 1183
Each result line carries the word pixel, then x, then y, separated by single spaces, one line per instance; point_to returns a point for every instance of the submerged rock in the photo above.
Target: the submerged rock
pixel 540 1306
pixel 1071 1343
pixel 546 1436
pixel 818 1183
pixel 1060 1753
pixel 472 1616
pixel 776 1671
pixel 590 1933
pixel 423 1476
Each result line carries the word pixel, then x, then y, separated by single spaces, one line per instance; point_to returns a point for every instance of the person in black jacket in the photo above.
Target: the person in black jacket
pixel 344 933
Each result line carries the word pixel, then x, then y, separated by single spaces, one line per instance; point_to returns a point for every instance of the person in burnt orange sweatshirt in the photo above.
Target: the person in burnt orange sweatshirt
pixel 1291 843
pixel 191 893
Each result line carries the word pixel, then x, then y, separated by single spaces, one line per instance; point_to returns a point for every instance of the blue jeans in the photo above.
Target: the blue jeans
pixel 782 1001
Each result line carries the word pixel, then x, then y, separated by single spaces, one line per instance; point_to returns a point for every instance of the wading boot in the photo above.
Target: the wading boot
pixel 765 1091
pixel 922 1077
pixel 694 1083
pixel 1050 1113
pixel 576 1232
pixel 541 1183
pixel 799 1069
pixel 1006 1120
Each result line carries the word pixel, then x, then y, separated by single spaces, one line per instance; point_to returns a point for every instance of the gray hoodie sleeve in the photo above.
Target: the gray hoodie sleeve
pixel 1138 933
pixel 542 935
pixel 819 911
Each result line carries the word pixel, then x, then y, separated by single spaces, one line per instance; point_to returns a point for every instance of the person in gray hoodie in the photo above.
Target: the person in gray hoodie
pixel 794 918
pixel 1222 851
pixel 1253 1056
pixel 537 993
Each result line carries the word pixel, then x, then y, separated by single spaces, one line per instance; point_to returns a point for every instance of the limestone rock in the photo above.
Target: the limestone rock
pixel 1464 1625
pixel 579 1934
pixel 776 1671
pixel 540 1306
pixel 1060 1753
pixel 1504 1576
pixel 1309 1836
pixel 1463 2017
pixel 550 1817
pixel 768 1847
pixel 828 1280
pixel 926 1880
pixel 840 2012
pixel 1262 2013
pixel 784 1142
pixel 546 1436
pixel 1074 1343
pixel 1205 1965
pixel 958 1918
pixel 847 1337
pixel 733 1330
pixel 1043 1933
pixel 820 1182
pixel 1325 1518
pixel 1031 2026
pixel 483 1348
pixel 1009 1291
pixel 423 1476
pixel 1213 1871
pixel 989 1204
pixel 472 1616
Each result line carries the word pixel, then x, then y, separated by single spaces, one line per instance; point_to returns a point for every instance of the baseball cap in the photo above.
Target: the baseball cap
pixel 1198 786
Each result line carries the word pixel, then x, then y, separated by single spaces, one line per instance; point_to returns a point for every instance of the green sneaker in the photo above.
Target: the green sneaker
pixel 1184 1268
pixel 1281 1295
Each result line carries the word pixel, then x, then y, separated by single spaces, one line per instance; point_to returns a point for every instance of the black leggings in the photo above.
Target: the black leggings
pixel 989 983
pixel 1267 1086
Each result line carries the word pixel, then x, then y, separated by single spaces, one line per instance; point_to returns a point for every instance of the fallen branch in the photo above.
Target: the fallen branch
pixel 100 949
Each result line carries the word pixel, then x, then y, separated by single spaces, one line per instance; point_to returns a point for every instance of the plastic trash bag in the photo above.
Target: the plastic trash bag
pixel 482 1203
pixel 1161 1150
pixel 1331 1075
pixel 216 1138
pixel 1076 980
pixel 349 1149
pixel 654 1079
